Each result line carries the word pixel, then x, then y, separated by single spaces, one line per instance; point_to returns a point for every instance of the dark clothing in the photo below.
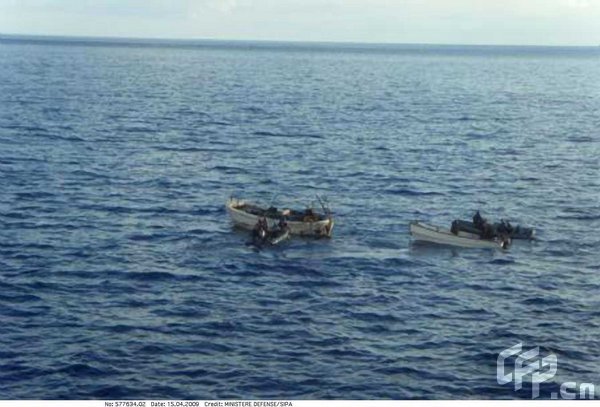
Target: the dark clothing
pixel 478 220
pixel 488 231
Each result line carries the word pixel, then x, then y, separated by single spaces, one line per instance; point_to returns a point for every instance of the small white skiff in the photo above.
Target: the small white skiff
pixel 434 234
pixel 245 215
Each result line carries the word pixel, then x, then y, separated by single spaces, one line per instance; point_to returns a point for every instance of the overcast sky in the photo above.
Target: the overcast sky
pixel 551 22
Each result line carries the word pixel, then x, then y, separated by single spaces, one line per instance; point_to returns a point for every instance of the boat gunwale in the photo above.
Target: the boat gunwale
pixel 232 206
pixel 474 242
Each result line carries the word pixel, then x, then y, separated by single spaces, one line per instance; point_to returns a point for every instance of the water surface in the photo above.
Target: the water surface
pixel 120 274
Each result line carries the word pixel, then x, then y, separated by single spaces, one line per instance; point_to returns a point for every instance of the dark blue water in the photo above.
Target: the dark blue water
pixel 120 274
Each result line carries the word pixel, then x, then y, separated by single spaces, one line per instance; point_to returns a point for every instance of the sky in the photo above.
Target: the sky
pixel 510 22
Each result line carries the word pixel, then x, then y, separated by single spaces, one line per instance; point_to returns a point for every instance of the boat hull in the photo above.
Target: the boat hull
pixel 434 234
pixel 245 220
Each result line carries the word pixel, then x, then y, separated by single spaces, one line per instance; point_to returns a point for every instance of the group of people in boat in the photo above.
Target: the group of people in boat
pixel 490 230
pixel 486 230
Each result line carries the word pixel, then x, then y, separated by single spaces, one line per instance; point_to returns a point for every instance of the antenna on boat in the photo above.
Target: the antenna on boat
pixel 325 207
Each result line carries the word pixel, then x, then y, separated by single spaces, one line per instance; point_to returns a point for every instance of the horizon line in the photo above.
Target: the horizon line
pixel 50 37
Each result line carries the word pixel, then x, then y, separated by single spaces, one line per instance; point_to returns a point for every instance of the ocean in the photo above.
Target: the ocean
pixel 121 276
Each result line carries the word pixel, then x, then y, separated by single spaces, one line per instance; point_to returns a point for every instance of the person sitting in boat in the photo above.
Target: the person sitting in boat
pixel 256 230
pixel 454 228
pixel 265 225
pixel 479 220
pixel 261 229
pixel 505 228
pixel 488 231
pixel 282 223
pixel 309 215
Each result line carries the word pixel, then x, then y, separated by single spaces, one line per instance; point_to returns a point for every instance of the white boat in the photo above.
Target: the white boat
pixel 427 233
pixel 245 215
